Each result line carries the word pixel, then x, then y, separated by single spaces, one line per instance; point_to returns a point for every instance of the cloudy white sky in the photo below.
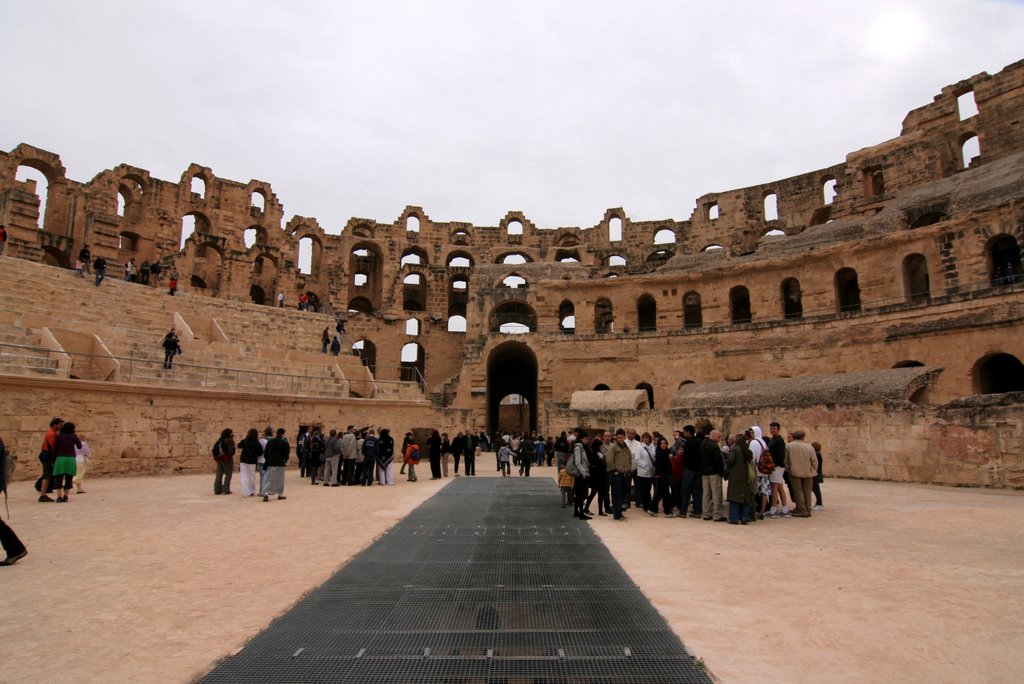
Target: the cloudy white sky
pixel 470 109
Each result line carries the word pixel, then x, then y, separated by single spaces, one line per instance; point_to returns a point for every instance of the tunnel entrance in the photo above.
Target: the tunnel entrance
pixel 511 388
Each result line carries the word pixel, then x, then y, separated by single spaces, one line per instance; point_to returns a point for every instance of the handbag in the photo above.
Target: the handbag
pixel 44 456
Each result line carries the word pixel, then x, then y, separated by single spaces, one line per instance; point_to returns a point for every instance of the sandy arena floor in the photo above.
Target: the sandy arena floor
pixel 155 579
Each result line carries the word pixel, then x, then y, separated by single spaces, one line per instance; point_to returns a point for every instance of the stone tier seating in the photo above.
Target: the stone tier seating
pixel 56 325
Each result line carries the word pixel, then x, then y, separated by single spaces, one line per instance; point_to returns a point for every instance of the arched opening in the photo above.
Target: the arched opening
pixel 514 228
pixel 712 211
pixel 122 203
pixel 1004 260
pixel 847 291
pixel 367 353
pixel 685 382
pixel 645 386
pixel 514 259
pixel 916 287
pixel 601 387
pixel 257 294
pixel 646 314
pixel 513 318
pixel 928 219
pixel 360 305
pixel 310 251
pixel 792 299
pixel 771 207
pixel 616 260
pixel 713 248
pixel 54 257
pixel 458 297
pixel 970 150
pixel 197 283
pixel 568 256
pixel 460 237
pixel 511 370
pixel 457 324
pixel 414 255
pixel 258 202
pixel 604 318
pixel 829 191
pixel 665 236
pixel 909 363
pixel 36 183
pixel 412 327
pixel 739 305
pixel 459 261
pixel 249 237
pixel 615 229
pixel 774 232
pixel 999 373
pixel 966 105
pixel 414 293
pixel 514 282
pixel 693 317
pixel 198 187
pixel 661 256
pixel 567 317
pixel 412 224
pixel 414 363
pixel 192 223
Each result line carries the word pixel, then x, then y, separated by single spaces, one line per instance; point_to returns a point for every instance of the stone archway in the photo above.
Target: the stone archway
pixel 511 369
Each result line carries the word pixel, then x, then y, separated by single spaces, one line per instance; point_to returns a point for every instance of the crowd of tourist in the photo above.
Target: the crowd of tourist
pixel 694 475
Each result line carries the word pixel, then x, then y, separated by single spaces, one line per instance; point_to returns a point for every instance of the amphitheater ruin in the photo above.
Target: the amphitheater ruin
pixel 877 303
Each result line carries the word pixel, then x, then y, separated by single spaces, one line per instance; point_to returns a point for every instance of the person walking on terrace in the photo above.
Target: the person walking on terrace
pixel 172 346
pixel 99 266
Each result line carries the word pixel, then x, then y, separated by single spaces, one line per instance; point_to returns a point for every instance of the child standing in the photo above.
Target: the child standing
pixel 78 268
pixel 565 483
pixel 172 284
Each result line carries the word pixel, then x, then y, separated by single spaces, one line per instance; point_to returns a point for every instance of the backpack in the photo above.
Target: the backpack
pixel 570 465
pixel 216 450
pixel 765 465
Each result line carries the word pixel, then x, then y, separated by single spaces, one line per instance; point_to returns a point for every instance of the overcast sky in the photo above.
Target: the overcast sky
pixel 471 109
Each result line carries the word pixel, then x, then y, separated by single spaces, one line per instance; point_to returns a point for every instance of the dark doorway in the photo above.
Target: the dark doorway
pixel 511 369
pixel 1000 373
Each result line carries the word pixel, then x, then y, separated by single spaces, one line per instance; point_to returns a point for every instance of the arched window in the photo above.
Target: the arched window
pixel 414 293
pixel 999 373
pixel 847 291
pixel 513 317
pixel 35 183
pixel 567 256
pixel 122 202
pixel 603 317
pixel 515 259
pixel 970 150
pixel 567 317
pixel 412 326
pixel 458 297
pixel 410 258
pixel 966 105
pixel 514 282
pixel 692 315
pixel 615 229
pixel 771 207
pixel 616 260
pixel 712 211
pixel 249 237
pixel 514 228
pixel 916 285
pixel 829 191
pixel 413 363
pixel 647 313
pixel 198 187
pixel 646 386
pixel 739 305
pixel 306 255
pixel 792 299
pixel 367 353
pixel 1004 260
pixel 360 279
pixel 601 387
pixel 713 248
pixel 459 262
pixel 665 237
pixel 360 305
pixel 412 224
pixel 258 202
pixel 457 324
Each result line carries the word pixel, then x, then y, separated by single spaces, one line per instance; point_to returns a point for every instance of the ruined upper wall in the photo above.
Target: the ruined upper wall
pixel 149 226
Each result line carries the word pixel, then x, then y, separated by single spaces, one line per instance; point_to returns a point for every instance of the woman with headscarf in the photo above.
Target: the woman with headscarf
pixel 764 467
pixel 64 464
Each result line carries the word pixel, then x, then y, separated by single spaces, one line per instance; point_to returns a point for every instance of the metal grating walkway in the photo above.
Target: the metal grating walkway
pixel 487 581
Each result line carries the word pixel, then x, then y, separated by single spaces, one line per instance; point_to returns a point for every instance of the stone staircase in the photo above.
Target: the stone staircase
pixel 113 332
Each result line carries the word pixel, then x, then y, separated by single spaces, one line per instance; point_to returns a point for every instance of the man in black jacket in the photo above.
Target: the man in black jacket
pixel 712 470
pixel 275 457
pixel 691 488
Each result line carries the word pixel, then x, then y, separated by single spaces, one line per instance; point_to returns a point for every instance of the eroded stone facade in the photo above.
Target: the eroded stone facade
pixel 903 254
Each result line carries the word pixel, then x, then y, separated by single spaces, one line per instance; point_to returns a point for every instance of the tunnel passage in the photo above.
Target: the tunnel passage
pixel 511 370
